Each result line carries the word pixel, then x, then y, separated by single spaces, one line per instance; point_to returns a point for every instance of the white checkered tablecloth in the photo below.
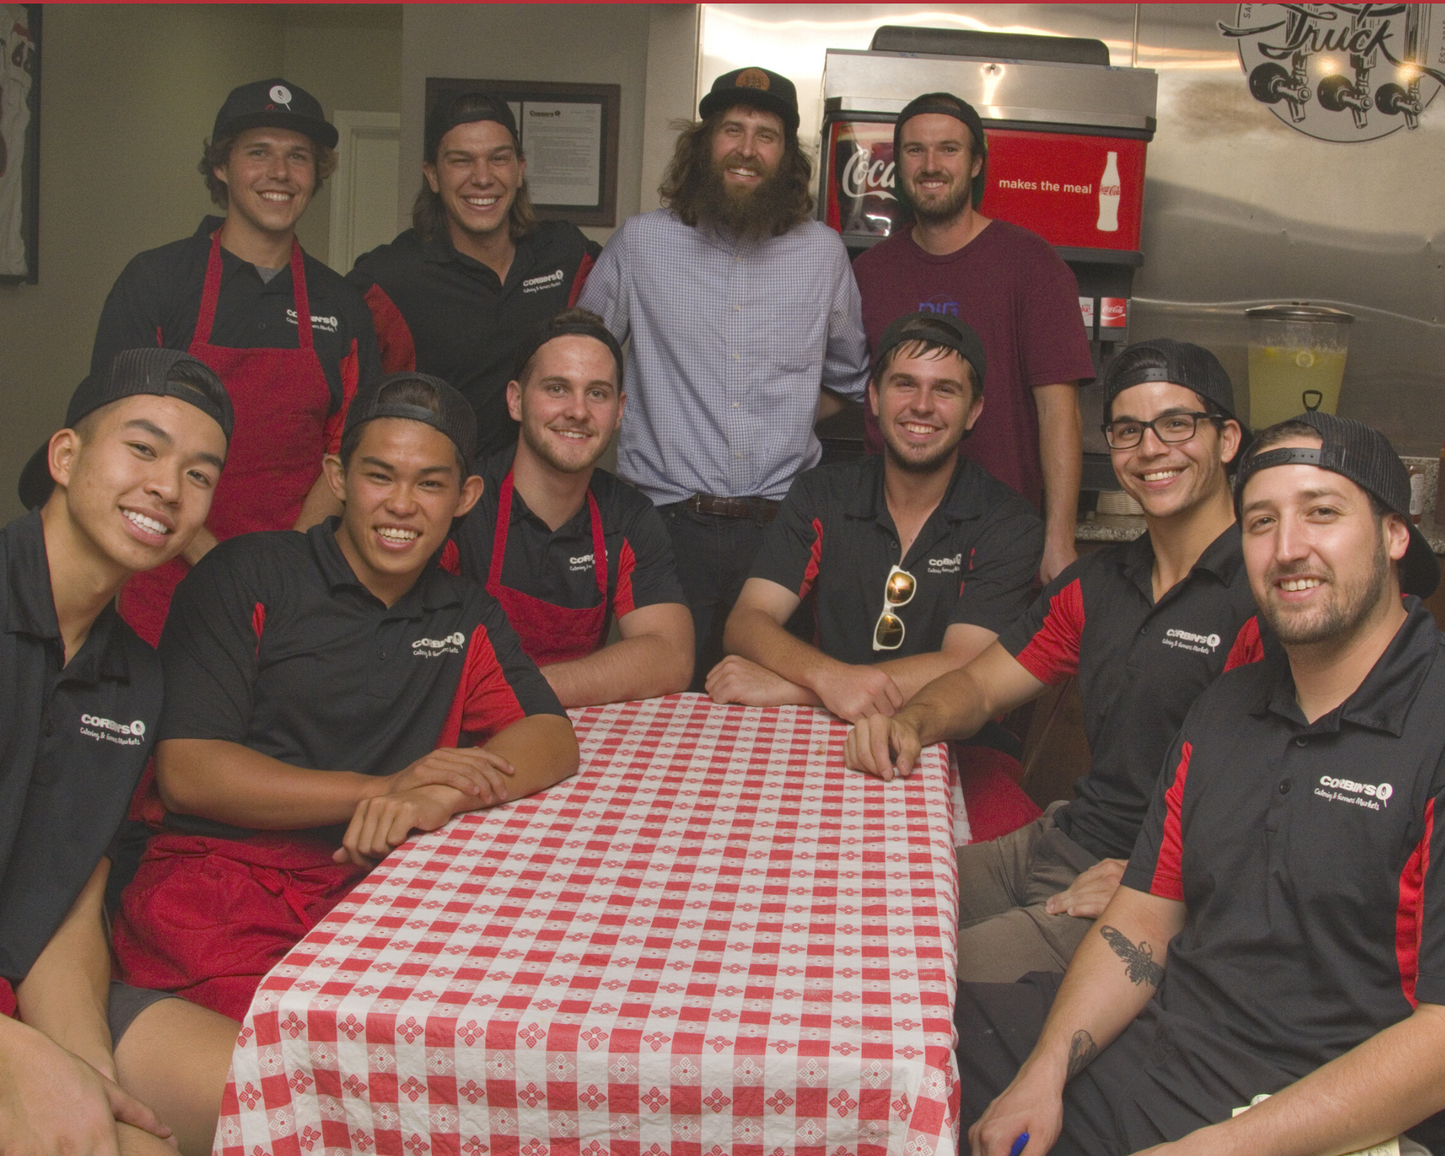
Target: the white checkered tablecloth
pixel 714 939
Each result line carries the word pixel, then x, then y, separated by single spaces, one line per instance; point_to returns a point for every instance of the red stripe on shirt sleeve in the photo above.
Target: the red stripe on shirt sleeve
pixel 815 556
pixel 451 559
pixel 393 335
pixel 258 624
pixel 1168 881
pixel 350 376
pixel 623 603
pixel 1052 654
pixel 580 280
pixel 1410 912
pixel 1247 648
pixel 484 702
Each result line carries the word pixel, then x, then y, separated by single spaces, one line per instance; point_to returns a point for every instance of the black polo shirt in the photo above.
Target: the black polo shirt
pixel 444 313
pixel 274 644
pixel 557 565
pixel 157 298
pixel 1309 856
pixel 973 560
pixel 73 744
pixel 1140 667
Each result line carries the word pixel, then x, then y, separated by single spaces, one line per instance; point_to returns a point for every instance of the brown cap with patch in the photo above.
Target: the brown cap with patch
pixel 756 87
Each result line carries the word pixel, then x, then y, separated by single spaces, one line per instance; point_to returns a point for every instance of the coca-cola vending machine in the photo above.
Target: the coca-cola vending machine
pixel 1066 132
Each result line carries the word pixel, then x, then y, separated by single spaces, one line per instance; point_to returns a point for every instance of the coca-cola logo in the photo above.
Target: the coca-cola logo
pixel 1110 190
pixel 862 175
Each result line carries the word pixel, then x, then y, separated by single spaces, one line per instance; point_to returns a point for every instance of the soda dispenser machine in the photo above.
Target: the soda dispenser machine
pixel 1067 135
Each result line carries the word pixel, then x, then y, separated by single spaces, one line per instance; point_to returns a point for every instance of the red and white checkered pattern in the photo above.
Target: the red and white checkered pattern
pixel 714 939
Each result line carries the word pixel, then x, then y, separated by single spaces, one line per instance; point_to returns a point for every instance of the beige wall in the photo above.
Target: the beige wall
pixel 129 92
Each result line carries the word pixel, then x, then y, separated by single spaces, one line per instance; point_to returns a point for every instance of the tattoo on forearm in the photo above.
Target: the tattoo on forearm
pixel 1082 1051
pixel 1139 961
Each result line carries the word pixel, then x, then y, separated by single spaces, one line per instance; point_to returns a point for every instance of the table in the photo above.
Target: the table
pixel 714 939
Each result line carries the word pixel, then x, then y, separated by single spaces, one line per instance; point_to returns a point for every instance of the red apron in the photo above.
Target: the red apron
pixel 549 633
pixel 282 401
pixel 207 918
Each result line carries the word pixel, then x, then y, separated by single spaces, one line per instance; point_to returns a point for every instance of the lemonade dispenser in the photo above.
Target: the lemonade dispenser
pixel 1296 360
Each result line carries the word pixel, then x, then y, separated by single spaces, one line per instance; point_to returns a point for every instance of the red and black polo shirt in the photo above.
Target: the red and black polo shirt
pixel 73 741
pixel 273 643
pixel 557 565
pixel 1309 855
pixel 973 561
pixel 1140 667
pixel 444 313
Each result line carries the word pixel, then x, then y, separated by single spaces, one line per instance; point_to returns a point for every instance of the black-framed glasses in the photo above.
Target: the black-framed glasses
pixel 1169 428
pixel 898 591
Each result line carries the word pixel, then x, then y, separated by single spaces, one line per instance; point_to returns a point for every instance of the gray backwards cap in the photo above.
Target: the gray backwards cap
pixel 1355 451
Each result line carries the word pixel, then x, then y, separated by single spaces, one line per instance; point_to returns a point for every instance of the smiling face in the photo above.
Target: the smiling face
pixel 1168 479
pixel 477 174
pixel 401 488
pixel 269 177
pixel 925 403
pixel 569 406
pixel 747 148
pixel 1318 556
pixel 937 166
pixel 135 480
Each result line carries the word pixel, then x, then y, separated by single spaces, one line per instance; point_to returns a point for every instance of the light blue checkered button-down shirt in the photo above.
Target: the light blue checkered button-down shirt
pixel 730 343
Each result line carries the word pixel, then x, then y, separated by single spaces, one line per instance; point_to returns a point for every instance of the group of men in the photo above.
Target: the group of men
pixel 433 425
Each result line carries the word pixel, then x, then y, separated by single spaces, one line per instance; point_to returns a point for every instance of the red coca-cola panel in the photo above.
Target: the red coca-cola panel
pixel 1083 192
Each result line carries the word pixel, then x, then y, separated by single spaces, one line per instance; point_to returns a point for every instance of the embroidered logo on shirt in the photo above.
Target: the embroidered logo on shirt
pixel 1184 640
pixel 945 565
pixel 581 562
pixel 538 284
pixel 1371 795
pixel 327 323
pixel 122 734
pixel 436 647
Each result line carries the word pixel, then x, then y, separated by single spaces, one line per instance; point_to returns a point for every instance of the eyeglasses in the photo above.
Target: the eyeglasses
pixel 898 591
pixel 1169 428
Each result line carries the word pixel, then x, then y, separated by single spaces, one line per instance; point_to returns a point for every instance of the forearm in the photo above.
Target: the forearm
pixel 66 991
pixel 319 505
pixel 230 783
pixel 1375 1091
pixel 642 664
pixel 830 403
pixel 1061 460
pixel 542 749
pixel 760 638
pixel 962 643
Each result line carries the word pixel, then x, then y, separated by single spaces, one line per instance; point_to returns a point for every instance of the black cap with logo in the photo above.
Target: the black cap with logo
pixel 757 87
pixel 944 104
pixel 456 418
pixel 162 372
pixel 1355 451
pixel 274 103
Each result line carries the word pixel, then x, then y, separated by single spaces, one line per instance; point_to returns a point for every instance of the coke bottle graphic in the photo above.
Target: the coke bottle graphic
pixel 1109 196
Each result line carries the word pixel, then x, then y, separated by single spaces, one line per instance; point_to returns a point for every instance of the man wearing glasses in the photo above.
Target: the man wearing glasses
pixel 915 560
pixel 1145 626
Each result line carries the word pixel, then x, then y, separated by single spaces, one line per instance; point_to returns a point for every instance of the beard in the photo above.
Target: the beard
pixel 1352 605
pixel 544 450
pixel 769 210
pixel 943 458
pixel 945 210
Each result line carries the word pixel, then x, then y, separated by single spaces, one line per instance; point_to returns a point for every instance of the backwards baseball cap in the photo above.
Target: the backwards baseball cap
pixel 944 104
pixel 162 372
pixel 465 108
pixel 1355 451
pixel 936 329
pixel 1183 363
pixel 274 103
pixel 573 321
pixel 454 415
pixel 757 87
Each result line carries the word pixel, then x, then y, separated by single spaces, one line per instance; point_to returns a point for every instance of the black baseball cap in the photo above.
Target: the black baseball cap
pixel 162 372
pixel 1355 451
pixel 457 419
pixel 945 104
pixel 274 103
pixel 1185 363
pixel 757 87
pixel 465 108
pixel 936 329
pixel 569 322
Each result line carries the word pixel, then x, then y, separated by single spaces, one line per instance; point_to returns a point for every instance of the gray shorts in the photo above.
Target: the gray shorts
pixel 126 1003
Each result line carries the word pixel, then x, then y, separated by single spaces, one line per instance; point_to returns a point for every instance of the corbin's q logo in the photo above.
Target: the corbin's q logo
pixel 862 175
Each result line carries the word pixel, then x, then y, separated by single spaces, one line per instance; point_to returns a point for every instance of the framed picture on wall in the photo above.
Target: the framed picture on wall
pixel 569 137
pixel 19 143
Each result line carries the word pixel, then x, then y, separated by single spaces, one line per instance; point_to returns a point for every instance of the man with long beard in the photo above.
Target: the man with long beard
pixel 745 327
pixel 1010 286
pixel 942 551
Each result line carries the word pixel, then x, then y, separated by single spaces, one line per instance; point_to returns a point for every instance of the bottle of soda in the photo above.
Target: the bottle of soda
pixel 1109 196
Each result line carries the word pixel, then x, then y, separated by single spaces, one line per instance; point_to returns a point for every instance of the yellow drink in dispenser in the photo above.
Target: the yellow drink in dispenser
pixel 1296 361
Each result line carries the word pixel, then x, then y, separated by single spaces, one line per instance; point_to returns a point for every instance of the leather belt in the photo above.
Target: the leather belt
pixel 764 508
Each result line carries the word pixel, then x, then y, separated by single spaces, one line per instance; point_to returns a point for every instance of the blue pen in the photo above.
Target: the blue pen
pixel 1019 1144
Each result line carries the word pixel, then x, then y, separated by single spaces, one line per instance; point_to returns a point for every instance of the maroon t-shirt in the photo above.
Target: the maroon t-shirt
pixel 1010 285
